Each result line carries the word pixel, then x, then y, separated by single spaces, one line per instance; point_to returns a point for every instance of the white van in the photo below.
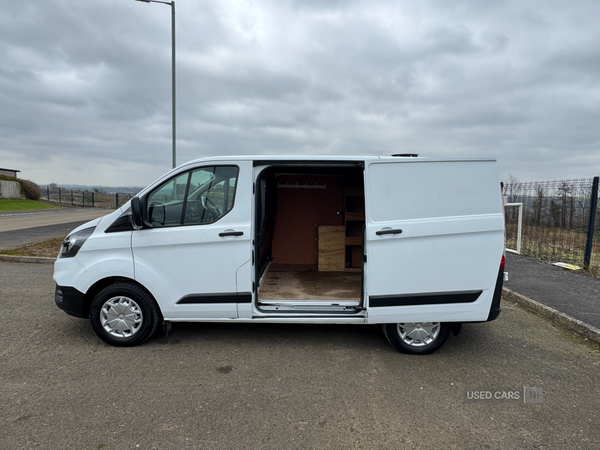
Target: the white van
pixel 414 244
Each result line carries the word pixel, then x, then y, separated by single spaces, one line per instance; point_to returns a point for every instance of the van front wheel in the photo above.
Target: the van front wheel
pixel 417 338
pixel 124 315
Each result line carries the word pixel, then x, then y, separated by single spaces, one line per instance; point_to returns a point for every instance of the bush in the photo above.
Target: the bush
pixel 31 190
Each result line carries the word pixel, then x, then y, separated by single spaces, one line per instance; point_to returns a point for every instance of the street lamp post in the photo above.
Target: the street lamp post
pixel 172 66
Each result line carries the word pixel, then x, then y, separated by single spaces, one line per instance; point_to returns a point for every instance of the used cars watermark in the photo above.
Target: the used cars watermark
pixel 517 395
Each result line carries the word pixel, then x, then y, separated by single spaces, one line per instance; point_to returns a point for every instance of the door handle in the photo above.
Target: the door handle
pixel 382 232
pixel 231 233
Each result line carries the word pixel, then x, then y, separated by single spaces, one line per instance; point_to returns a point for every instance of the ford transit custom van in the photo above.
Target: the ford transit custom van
pixel 413 244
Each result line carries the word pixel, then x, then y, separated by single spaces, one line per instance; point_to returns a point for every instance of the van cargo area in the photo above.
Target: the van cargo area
pixel 307 283
pixel 310 225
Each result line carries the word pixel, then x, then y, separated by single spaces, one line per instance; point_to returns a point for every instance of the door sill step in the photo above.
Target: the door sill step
pixel 310 306
pixel 310 303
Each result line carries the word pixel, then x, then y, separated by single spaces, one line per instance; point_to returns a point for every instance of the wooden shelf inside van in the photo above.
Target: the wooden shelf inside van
pixel 359 215
pixel 354 221
pixel 353 240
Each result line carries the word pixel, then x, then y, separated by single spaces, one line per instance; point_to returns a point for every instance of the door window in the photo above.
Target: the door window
pixel 165 204
pixel 197 197
pixel 211 194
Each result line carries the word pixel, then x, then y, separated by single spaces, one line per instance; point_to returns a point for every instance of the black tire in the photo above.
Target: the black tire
pixel 124 315
pixel 417 339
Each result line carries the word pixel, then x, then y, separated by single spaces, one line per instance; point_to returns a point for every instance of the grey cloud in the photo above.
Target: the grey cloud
pixel 89 82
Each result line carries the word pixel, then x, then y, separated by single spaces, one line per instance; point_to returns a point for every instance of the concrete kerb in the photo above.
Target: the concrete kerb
pixel 567 322
pixel 27 259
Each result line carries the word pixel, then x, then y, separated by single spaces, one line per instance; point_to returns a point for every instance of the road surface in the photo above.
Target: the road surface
pixel 18 228
pixel 572 293
pixel 259 386
pixel 17 220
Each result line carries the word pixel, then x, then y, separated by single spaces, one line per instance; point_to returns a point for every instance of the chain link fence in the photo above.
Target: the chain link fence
pixel 556 220
pixel 85 198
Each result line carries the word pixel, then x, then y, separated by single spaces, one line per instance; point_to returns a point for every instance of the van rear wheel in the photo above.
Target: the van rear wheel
pixel 124 314
pixel 417 338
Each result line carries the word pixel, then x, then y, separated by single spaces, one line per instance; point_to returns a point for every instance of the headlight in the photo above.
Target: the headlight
pixel 73 242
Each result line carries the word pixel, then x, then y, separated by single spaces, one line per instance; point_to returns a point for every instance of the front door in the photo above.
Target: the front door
pixel 194 252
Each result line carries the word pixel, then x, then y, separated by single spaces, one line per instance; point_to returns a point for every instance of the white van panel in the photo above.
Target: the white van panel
pixel 104 255
pixel 444 263
pixel 177 262
pixel 456 312
pixel 427 189
pixel 192 271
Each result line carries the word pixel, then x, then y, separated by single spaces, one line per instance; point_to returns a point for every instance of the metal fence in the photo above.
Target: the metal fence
pixel 557 224
pixel 93 199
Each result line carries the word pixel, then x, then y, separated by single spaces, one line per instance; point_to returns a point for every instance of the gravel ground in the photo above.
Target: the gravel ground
pixel 213 386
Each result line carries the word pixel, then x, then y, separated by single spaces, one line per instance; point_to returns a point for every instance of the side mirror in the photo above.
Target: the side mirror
pixel 136 213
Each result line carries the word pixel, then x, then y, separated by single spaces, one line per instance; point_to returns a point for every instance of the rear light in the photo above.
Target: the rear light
pixel 502 261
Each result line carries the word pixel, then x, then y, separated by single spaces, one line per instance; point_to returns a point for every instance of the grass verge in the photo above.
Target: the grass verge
pixel 22 205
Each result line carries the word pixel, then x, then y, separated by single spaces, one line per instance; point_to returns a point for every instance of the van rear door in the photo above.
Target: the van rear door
pixel 434 239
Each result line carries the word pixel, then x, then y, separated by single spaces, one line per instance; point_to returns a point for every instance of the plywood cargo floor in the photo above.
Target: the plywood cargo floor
pixel 311 285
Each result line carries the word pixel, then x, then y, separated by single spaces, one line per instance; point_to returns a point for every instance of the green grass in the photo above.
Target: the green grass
pixel 22 205
pixel 11 252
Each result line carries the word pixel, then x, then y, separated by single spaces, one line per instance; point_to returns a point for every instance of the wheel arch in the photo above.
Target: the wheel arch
pixel 99 285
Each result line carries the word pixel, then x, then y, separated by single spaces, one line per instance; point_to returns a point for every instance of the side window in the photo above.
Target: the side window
pixel 165 204
pixel 211 194
pixel 197 197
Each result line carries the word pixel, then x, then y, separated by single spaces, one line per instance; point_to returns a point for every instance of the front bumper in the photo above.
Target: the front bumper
pixel 71 301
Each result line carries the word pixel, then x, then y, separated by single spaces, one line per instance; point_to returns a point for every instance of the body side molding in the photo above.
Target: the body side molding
pixel 434 298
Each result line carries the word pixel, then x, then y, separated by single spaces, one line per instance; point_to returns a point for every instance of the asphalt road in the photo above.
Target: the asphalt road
pixel 18 228
pixel 573 293
pixel 212 386
pixel 17 220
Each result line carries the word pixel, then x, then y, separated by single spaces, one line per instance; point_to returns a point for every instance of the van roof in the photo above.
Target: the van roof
pixel 270 159
pixel 267 160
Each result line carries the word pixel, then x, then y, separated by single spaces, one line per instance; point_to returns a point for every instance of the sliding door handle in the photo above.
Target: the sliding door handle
pixel 231 233
pixel 388 231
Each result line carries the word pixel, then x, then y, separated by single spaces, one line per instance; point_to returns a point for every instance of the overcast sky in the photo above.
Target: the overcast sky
pixel 85 86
